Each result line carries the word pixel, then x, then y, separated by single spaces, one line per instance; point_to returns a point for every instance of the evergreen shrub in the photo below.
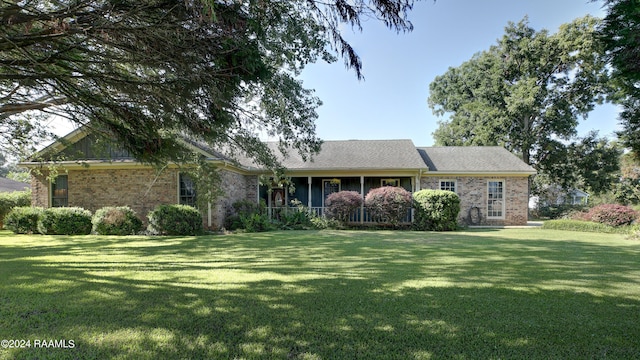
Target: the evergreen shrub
pixel 436 210
pixel 10 200
pixel 116 220
pixel 23 220
pixel 65 221
pixel 588 226
pixel 175 220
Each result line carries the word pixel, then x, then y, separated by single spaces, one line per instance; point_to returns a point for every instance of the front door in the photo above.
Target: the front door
pixel 329 187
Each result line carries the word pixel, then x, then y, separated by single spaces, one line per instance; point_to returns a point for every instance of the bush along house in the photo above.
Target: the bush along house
pixel 491 182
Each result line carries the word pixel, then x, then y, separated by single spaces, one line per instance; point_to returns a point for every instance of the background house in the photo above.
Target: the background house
pixel 491 182
pixel 8 185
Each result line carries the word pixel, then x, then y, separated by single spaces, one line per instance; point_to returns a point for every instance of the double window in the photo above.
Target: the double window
pixel 60 191
pixel 187 191
pixel 495 199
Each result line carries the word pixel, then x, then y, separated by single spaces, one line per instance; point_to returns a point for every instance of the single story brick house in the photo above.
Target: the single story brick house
pixel 492 182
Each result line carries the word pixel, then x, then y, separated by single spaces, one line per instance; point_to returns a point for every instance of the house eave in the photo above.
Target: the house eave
pixel 354 172
pixel 117 165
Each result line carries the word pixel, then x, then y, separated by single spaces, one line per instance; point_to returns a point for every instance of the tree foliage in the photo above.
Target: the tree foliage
pixel 527 93
pixel 620 34
pixel 143 72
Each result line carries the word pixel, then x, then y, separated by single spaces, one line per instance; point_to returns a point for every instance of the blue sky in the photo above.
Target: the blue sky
pixel 391 103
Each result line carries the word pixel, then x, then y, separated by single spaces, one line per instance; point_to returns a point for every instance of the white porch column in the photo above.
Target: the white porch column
pixel 257 191
pixel 309 179
pixel 362 193
pixel 209 214
pixel 269 202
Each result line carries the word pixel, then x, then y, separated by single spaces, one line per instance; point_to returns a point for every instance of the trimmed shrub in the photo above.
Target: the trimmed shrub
pixel 175 220
pixel 612 215
pixel 65 221
pixel 388 204
pixel 23 220
pixel 340 205
pixel 11 200
pixel 436 210
pixel 116 220
pixel 587 226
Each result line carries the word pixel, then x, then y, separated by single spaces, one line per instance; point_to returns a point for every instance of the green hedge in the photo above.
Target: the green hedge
pixel 436 210
pixel 116 220
pixel 175 220
pixel 65 221
pixel 588 226
pixel 11 200
pixel 23 220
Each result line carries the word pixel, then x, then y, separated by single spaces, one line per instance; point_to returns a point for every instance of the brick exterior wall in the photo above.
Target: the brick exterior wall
pixel 473 193
pixel 235 187
pixel 142 189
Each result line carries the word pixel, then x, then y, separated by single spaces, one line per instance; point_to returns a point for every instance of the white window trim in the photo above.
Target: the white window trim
pixel 454 181
pixel 323 187
pixel 504 193
pixel 51 185
pixel 178 189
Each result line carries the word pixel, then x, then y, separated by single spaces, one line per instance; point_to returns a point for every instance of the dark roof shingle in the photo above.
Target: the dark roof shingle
pixel 473 159
pixel 354 154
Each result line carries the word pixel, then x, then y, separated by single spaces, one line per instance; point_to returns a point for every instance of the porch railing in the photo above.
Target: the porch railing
pixel 355 216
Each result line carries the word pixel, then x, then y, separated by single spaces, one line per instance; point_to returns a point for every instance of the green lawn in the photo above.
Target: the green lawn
pixel 483 294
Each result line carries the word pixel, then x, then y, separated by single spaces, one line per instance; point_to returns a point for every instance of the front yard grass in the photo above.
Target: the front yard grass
pixel 481 294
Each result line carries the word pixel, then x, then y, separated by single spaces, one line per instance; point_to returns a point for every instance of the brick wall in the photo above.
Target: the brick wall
pixel 473 194
pixel 39 190
pixel 235 187
pixel 142 189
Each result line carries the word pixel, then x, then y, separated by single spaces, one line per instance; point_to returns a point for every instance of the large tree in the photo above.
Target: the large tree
pixel 144 71
pixel 620 34
pixel 528 93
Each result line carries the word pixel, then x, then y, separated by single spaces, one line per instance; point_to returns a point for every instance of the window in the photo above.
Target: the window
pixel 329 187
pixel 390 182
pixel 449 185
pixel 60 191
pixel 187 190
pixel 495 199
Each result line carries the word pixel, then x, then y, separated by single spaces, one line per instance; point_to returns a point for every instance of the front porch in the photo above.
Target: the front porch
pixel 312 192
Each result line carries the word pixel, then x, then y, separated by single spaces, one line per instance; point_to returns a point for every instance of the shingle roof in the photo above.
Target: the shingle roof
pixel 8 185
pixel 379 155
pixel 356 154
pixel 473 159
